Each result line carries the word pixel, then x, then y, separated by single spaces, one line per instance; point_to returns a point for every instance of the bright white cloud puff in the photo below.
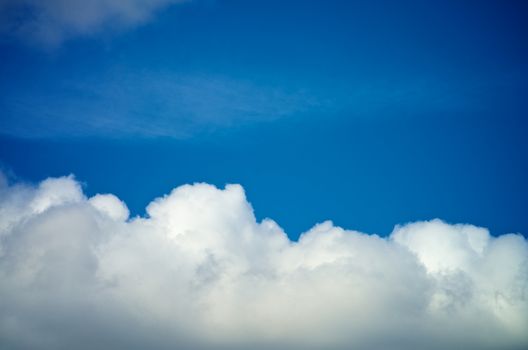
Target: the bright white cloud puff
pixel 199 272
pixel 50 22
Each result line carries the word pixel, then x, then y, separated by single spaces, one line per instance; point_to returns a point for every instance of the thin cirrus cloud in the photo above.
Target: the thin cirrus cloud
pixel 199 272
pixel 148 104
pixel 51 22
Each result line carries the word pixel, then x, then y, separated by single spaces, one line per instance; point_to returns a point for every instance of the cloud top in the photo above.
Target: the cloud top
pixel 200 272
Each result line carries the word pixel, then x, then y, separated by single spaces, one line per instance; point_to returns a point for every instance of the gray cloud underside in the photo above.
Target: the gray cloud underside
pixel 200 272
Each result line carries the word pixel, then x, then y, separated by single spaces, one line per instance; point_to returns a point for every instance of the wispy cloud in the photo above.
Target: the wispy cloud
pixel 201 272
pixel 148 104
pixel 51 22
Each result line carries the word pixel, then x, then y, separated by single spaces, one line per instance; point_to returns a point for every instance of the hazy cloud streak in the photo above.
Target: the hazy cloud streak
pixel 149 104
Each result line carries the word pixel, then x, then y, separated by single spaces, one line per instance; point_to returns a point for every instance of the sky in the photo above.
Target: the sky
pixel 404 123
pixel 367 113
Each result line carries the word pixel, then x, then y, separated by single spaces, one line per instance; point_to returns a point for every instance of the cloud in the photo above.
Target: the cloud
pixel 51 22
pixel 148 104
pixel 199 272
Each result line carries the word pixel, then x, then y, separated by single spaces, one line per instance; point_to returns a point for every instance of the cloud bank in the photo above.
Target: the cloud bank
pixel 199 272
pixel 51 22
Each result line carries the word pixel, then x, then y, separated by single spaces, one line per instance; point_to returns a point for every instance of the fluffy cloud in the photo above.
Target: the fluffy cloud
pixel 50 22
pixel 200 272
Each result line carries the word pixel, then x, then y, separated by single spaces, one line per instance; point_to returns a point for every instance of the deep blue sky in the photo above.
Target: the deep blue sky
pixel 368 113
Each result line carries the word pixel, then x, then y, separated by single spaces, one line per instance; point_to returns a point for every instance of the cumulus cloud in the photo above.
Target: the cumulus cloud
pixel 199 272
pixel 51 22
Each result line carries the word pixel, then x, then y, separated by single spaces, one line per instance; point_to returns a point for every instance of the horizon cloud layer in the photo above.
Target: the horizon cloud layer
pixel 199 272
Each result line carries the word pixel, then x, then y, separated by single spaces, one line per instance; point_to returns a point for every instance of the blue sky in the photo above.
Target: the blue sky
pixel 367 113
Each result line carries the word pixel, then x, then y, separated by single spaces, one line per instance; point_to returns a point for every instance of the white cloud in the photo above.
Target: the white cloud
pixel 51 22
pixel 200 272
pixel 111 206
